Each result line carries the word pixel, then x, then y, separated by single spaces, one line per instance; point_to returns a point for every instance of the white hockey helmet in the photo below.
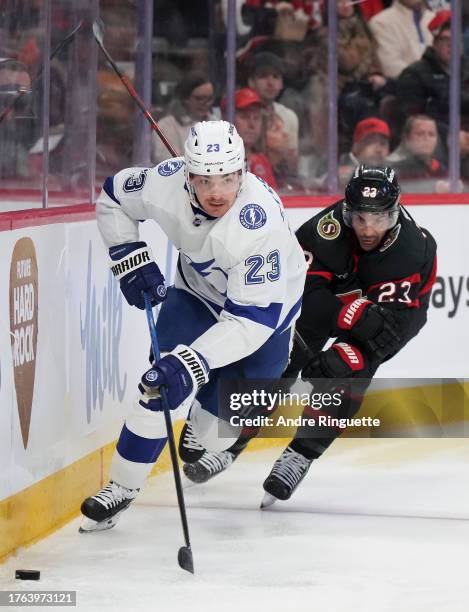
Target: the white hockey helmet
pixel 214 148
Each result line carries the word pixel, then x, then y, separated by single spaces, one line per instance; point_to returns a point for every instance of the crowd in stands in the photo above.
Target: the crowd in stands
pixel 393 61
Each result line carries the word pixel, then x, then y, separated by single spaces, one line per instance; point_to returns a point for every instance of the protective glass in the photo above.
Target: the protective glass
pixel 215 185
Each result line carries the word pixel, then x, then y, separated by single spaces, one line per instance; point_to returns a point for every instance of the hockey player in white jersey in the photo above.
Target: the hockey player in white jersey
pixel 237 294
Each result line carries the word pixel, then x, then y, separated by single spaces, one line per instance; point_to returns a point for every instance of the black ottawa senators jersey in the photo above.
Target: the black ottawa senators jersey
pixel 398 274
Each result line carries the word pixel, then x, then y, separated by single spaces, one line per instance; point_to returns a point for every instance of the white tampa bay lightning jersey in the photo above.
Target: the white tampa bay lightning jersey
pixel 246 266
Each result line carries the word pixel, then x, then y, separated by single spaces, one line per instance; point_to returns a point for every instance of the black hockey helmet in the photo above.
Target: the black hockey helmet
pixel 373 190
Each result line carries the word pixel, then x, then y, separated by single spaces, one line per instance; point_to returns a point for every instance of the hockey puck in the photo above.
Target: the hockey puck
pixel 22 574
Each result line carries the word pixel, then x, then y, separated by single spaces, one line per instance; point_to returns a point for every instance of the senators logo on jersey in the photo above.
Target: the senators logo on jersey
pixel 328 227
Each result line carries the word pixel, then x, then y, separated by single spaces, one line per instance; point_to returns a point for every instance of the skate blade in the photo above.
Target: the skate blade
pixel 267 501
pixel 193 481
pixel 88 525
pixel 187 483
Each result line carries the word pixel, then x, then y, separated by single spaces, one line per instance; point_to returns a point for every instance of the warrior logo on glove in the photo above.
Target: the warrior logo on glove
pixel 136 271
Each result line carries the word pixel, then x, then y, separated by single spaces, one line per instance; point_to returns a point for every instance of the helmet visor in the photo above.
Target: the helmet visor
pixel 379 221
pixel 215 185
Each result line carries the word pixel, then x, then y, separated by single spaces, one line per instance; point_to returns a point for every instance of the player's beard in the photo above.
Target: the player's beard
pixel 369 243
pixel 217 206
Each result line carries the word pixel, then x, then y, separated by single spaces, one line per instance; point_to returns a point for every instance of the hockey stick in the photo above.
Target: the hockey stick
pixel 304 347
pixel 98 35
pixel 21 93
pixel 185 559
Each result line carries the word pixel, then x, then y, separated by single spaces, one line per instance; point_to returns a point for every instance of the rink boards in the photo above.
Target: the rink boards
pixel 71 352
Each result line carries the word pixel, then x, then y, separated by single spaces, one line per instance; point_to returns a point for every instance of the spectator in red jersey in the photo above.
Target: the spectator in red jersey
pixel 249 123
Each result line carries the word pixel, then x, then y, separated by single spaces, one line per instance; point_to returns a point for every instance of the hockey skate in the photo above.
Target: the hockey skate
pixel 190 449
pixel 287 473
pixel 102 511
pixel 208 466
pixel 213 463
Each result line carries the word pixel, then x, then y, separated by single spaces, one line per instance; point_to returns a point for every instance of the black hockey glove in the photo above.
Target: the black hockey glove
pixel 134 267
pixel 374 326
pixel 341 360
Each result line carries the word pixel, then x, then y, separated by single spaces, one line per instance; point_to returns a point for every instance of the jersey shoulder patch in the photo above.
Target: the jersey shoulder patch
pixel 252 216
pixel 328 226
pixel 135 181
pixel 170 167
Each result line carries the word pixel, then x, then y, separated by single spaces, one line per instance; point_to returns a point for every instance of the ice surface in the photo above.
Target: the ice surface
pixel 376 526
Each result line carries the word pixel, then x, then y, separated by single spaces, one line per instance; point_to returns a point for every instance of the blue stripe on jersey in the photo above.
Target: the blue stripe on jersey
pixel 286 322
pixel 109 189
pixel 216 308
pixel 138 449
pixel 265 315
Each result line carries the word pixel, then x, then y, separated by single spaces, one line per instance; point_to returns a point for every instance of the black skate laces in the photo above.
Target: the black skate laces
pixel 290 467
pixel 216 462
pixel 190 439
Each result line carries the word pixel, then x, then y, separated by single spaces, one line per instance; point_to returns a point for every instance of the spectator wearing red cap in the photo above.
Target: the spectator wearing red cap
pixel 401 33
pixel 423 87
pixel 249 123
pixel 371 139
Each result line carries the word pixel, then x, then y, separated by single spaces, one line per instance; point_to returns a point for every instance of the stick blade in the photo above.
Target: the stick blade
pixel 98 30
pixel 185 560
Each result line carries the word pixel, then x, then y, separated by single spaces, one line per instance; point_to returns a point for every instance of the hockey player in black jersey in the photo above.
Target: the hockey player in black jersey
pixel 371 270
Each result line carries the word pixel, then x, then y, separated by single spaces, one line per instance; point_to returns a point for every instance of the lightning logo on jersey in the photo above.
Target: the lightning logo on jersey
pixel 252 216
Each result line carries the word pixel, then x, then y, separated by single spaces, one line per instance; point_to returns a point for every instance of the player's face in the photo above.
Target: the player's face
pixel 267 83
pixel 370 228
pixel 216 194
